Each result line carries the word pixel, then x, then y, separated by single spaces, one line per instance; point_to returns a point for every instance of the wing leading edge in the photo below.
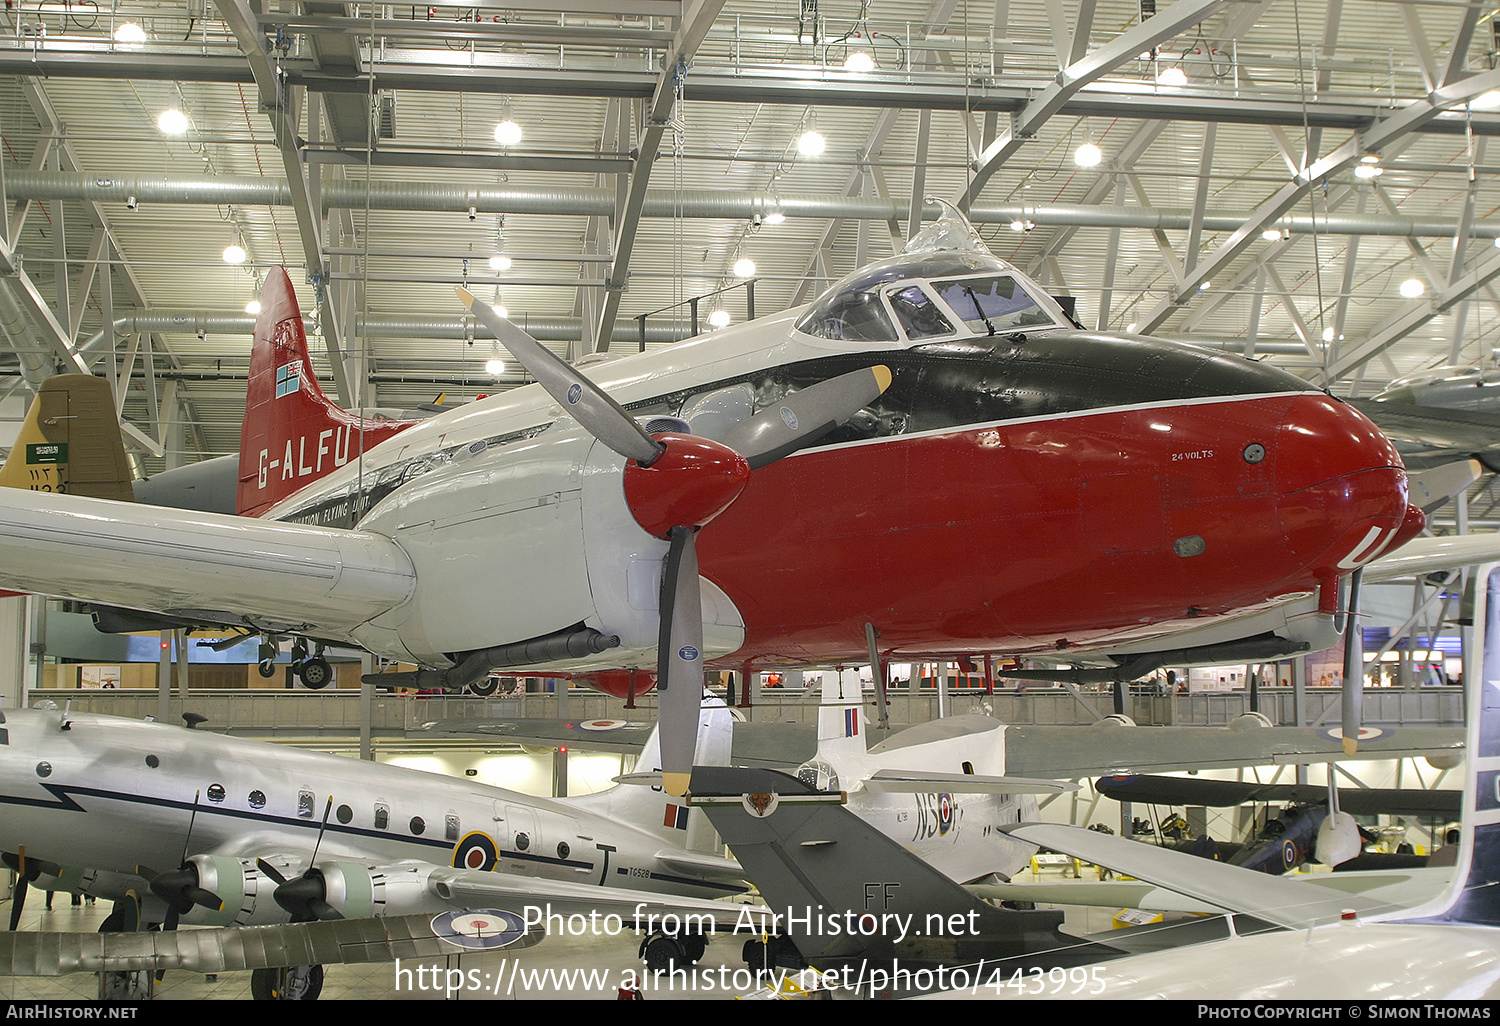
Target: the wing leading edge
pixel 218 568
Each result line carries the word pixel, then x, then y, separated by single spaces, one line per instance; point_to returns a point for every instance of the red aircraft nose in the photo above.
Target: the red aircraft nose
pixel 1343 486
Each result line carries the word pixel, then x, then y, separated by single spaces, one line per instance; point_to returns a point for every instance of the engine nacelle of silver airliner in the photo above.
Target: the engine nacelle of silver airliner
pixel 247 893
pixel 358 890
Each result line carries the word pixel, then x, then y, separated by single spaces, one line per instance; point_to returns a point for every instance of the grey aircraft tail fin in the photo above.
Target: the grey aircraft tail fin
pixel 846 891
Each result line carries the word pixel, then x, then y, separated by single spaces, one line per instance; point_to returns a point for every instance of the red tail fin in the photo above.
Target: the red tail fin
pixel 292 433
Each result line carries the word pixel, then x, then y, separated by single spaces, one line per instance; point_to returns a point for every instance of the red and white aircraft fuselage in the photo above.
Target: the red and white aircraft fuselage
pixel 1022 486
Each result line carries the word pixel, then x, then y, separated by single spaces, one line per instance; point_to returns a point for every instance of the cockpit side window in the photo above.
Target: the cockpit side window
pixel 918 314
pixel 850 317
pixel 992 304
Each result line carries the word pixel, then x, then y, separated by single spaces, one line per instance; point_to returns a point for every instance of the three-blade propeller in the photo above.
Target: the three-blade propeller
pixel 676 483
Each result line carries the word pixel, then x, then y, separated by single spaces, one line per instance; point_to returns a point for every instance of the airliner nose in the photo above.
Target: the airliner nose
pixel 1343 486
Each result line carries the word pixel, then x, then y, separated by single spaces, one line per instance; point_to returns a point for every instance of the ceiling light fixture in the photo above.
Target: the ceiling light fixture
pixel 494 366
pixel 129 33
pixel 1411 288
pixel 811 143
pixel 500 262
pixel 1088 155
pixel 253 307
pixel 744 267
pixel 719 318
pixel 235 254
pixel 507 133
pixel 1369 171
pixel 172 121
pixel 859 61
pixel 1173 76
pixel 774 217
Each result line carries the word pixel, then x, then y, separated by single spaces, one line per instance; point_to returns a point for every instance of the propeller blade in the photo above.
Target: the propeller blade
pixel 18 902
pixel 589 404
pixel 1354 668
pixel 679 662
pixel 306 898
pixel 801 418
pixel 270 870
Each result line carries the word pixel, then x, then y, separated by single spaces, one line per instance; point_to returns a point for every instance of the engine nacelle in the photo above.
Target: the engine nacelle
pixel 358 890
pixel 244 889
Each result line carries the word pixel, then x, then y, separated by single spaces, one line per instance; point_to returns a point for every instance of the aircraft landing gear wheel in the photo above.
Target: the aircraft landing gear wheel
pixel 759 955
pixel 484 687
pixel 694 946
pixel 267 668
pixel 662 953
pixel 315 673
pixel 293 983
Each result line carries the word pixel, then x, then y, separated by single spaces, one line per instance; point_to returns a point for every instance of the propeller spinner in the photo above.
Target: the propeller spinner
pixel 676 483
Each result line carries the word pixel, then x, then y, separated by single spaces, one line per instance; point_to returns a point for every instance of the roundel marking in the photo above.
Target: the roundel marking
pixel 945 813
pixel 484 929
pixel 575 393
pixel 687 653
pixel 476 851
pixel 603 724
pixel 1365 733
pixel 1288 854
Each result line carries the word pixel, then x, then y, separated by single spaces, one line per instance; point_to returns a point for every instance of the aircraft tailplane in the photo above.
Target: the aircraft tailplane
pixel 70 442
pixel 292 433
pixel 842 726
pixel 653 809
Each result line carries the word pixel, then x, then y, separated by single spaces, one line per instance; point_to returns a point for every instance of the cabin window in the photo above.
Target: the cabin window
pixel 382 815
pixel 216 792
pixel 344 813
pixel 305 804
pixel 918 314
pixel 450 827
pixel 418 826
pixel 992 304
pixel 850 317
pixel 257 799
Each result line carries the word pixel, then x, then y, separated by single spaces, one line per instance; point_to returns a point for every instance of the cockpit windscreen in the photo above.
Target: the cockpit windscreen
pixel 992 303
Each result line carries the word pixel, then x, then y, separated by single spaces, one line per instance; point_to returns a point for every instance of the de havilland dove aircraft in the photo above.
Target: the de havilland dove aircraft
pixel 974 473
pixel 204 829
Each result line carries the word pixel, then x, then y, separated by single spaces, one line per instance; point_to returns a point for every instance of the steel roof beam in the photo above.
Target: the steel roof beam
pixel 279 103
pixel 698 17
pixel 1072 79
pixel 771 85
pixel 1386 130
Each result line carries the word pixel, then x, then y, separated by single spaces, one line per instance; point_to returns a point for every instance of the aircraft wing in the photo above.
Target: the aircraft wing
pixel 476 898
pixel 768 745
pixel 1443 431
pixel 1096 751
pixel 1406 888
pixel 214 568
pixel 1362 801
pixel 1229 888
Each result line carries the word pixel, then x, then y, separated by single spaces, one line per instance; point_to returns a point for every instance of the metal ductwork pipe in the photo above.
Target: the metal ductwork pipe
pixel 36 360
pixel 212 322
pixel 695 203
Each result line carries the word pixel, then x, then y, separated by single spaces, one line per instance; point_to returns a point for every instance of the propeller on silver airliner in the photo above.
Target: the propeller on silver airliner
pixel 305 896
pixel 676 483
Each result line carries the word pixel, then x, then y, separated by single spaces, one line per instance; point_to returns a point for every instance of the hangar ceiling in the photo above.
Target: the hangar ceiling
pixel 356 145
